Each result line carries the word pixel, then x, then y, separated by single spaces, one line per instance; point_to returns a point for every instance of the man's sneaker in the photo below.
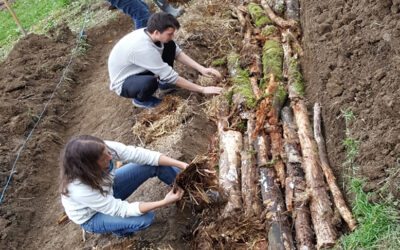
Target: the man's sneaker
pixel 152 102
pixel 166 88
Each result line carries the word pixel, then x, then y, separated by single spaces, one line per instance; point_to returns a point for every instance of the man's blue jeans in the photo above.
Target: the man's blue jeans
pixel 127 179
pixel 137 9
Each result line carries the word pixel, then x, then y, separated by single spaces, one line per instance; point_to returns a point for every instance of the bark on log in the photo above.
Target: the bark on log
pixel 278 20
pixel 295 192
pixel 230 143
pixel 276 5
pixel 279 233
pixel 330 177
pixel 292 10
pixel 250 188
pixel 321 212
pixel 229 163
pixel 287 54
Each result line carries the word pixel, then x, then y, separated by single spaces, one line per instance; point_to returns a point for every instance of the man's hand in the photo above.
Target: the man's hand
pixel 172 197
pixel 211 90
pixel 210 72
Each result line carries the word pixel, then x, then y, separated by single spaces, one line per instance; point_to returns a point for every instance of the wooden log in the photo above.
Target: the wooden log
pixel 321 212
pixel 230 143
pixel 278 20
pixel 275 131
pixel 277 6
pixel 250 188
pixel 295 193
pixel 330 177
pixel 287 54
pixel 292 10
pixel 279 233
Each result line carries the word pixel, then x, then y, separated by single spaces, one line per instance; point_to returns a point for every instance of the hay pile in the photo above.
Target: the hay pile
pixel 162 120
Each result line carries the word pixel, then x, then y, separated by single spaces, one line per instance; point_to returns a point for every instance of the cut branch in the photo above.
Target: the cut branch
pixel 321 212
pixel 296 194
pixel 278 20
pixel 229 162
pixel 292 10
pixel 279 233
pixel 330 177
pixel 250 188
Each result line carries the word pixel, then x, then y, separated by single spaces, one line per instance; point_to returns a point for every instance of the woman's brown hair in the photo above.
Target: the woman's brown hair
pixel 78 161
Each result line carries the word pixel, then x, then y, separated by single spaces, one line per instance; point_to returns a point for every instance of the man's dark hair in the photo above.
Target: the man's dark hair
pixel 161 21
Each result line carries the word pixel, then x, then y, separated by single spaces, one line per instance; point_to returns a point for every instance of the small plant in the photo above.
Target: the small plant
pixel 34 116
pixel 219 62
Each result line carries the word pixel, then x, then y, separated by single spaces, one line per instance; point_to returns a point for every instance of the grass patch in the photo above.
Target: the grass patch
pixel 379 226
pixel 40 16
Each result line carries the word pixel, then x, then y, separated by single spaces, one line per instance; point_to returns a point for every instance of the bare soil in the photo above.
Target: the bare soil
pixel 351 61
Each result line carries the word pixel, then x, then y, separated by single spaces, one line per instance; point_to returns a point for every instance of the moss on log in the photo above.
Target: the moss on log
pixel 258 15
pixel 272 59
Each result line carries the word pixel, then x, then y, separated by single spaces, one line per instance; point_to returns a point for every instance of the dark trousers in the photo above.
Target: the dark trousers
pixel 143 85
pixel 137 9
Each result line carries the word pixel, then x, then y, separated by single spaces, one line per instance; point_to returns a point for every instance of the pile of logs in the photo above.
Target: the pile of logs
pixel 277 155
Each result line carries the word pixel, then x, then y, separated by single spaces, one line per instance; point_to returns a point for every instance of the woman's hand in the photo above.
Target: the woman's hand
pixel 211 90
pixel 210 72
pixel 172 197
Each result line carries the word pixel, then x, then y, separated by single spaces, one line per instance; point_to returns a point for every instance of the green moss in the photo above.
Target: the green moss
pixel 242 126
pixel 258 15
pixel 253 152
pixel 268 30
pixel 219 62
pixel 281 8
pixel 229 97
pixel 281 94
pixel 243 87
pixel 294 73
pixel 272 59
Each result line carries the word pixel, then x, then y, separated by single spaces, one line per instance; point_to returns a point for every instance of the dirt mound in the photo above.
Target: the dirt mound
pixel 351 62
pixel 28 77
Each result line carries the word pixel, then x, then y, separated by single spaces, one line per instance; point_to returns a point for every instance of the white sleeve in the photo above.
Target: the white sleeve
pixel 134 154
pixel 106 204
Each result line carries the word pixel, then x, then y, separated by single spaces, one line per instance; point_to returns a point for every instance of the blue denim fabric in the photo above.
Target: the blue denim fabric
pixel 127 179
pixel 137 9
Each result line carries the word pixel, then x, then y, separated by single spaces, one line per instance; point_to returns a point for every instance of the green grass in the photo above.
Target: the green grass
pixel 40 16
pixel 378 227
pixel 378 223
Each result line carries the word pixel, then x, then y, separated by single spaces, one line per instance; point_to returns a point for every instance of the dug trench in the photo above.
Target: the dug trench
pixel 351 61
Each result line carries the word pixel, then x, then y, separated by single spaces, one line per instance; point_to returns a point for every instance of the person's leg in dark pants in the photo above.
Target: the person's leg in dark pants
pixel 141 89
pixel 137 9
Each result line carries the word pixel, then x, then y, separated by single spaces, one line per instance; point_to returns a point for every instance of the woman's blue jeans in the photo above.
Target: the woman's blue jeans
pixel 137 9
pixel 127 179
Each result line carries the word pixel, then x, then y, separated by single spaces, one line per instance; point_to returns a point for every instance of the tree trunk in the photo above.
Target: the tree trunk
pixel 296 194
pixel 321 212
pixel 230 143
pixel 279 233
pixel 330 177
pixel 292 10
pixel 250 188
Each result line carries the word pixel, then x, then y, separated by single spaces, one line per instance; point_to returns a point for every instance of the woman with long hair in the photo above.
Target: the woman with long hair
pixel 93 192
